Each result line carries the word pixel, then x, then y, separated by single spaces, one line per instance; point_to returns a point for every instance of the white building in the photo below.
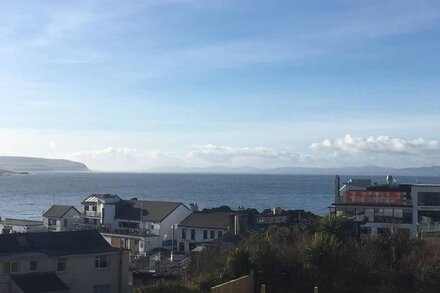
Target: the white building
pixel 139 225
pixel 9 226
pixel 202 227
pixel 413 208
pixel 61 218
pixel 75 261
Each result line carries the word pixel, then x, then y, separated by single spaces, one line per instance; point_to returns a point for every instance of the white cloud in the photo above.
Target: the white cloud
pixel 227 154
pixel 378 145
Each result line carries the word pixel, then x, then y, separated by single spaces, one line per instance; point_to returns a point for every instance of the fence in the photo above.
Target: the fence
pixel 241 285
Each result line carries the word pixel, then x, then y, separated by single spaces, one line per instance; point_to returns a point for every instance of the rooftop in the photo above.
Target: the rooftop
pixel 39 282
pixel 213 220
pixel 54 243
pixel 58 211
pixel 94 198
pixel 20 222
pixel 152 211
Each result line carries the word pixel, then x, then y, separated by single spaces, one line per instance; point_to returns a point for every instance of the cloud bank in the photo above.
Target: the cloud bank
pixel 378 145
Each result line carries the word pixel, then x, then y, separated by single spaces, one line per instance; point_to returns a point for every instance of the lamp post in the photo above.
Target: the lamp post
pixel 172 242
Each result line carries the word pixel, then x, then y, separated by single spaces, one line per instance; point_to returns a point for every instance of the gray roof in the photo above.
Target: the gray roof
pixel 21 222
pixel 94 198
pixel 212 220
pixel 152 211
pixel 58 211
pixel 39 282
pixel 54 243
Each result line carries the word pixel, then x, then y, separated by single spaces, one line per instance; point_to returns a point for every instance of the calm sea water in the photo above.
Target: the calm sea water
pixel 29 196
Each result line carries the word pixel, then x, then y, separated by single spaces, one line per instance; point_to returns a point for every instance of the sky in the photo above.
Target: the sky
pixel 136 85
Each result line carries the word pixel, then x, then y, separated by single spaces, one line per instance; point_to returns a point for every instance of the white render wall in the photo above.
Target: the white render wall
pixel 198 235
pixel 177 216
pixel 72 216
pixel 22 228
pixel 80 275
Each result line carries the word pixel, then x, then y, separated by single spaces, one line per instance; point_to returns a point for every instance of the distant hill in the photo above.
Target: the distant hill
pixel 10 173
pixel 363 170
pixel 11 163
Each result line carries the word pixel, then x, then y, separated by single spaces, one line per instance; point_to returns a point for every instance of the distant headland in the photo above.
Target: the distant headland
pixel 10 165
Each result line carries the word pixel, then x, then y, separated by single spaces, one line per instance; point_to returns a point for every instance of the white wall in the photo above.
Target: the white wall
pixel 177 216
pixel 198 235
pixel 80 275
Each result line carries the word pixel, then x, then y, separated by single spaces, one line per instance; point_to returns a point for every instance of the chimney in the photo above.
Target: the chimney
pixel 193 207
pixel 240 223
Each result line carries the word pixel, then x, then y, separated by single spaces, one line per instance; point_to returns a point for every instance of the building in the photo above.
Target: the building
pixel 413 208
pixel 137 225
pixel 8 226
pixel 74 261
pixel 202 227
pixel 61 218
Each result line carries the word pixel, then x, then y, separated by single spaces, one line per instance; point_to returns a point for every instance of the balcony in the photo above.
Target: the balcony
pixel 429 227
pixel 128 231
pixel 92 214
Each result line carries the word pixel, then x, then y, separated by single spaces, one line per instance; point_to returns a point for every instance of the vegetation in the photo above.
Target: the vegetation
pixel 324 253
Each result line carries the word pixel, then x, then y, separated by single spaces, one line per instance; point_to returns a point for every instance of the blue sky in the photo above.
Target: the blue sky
pixel 131 85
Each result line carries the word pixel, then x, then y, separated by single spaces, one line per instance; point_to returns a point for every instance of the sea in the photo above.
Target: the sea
pixel 29 196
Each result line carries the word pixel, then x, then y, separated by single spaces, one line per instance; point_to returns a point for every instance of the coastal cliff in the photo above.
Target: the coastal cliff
pixel 19 164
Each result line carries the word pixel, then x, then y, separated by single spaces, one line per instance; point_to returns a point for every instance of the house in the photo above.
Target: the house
pixel 202 227
pixel 9 225
pixel 61 218
pixel 99 209
pixel 137 225
pixel 413 208
pixel 72 261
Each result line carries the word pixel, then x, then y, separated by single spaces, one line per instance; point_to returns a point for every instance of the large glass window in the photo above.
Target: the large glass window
pixel 429 198
pixel 193 234
pixel 205 234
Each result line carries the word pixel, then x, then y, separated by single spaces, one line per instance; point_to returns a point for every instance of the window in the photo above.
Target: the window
pixel 429 198
pixel 193 234
pixel 95 221
pixel 86 208
pixel 65 222
pixel 219 234
pixel 152 226
pixel 181 246
pixel 33 266
pixel 52 222
pixel 212 232
pixel 86 220
pixel 205 234
pixel 61 265
pixel 10 267
pixel 183 233
pixel 101 289
pixel 102 261
pixel 94 208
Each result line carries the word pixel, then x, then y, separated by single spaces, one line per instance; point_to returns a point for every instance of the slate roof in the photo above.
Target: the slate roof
pixel 212 220
pixel 58 211
pixel 39 282
pixel 152 211
pixel 54 243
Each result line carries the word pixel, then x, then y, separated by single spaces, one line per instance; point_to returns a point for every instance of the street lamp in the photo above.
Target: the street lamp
pixel 172 243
